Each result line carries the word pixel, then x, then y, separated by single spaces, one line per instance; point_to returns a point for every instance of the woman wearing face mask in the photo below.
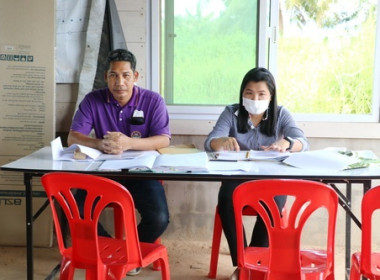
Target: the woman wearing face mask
pixel 256 123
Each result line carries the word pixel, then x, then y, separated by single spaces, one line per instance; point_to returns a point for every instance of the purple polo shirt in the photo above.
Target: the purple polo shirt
pixel 101 112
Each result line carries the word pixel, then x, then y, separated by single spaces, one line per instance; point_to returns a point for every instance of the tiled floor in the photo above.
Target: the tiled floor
pixel 188 261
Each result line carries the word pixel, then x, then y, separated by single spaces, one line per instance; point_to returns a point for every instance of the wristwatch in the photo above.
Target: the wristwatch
pixel 291 142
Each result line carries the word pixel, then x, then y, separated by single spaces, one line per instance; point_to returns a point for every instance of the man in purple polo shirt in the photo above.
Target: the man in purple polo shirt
pixel 127 117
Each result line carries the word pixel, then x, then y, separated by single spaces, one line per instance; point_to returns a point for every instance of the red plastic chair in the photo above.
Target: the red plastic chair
pixel 284 259
pixel 217 234
pixel 101 257
pixel 367 263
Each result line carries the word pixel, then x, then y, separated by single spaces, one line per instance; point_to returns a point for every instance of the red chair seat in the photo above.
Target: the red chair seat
pixel 217 234
pixel 366 263
pixel 284 259
pixel 101 257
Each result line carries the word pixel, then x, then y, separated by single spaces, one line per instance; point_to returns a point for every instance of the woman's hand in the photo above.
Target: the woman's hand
pixel 225 144
pixel 280 146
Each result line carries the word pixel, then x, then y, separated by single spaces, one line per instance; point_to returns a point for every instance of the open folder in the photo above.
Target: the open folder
pixel 90 154
pixel 161 163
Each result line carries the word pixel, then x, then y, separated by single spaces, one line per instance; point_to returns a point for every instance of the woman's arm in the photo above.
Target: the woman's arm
pixel 220 138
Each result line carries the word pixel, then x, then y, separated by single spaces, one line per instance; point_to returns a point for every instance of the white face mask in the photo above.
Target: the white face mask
pixel 255 107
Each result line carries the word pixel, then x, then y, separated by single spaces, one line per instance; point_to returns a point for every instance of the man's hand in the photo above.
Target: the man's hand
pixel 114 143
pixel 117 142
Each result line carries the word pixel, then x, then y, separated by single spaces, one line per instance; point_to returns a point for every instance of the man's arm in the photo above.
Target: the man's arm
pixel 117 142
pixel 85 140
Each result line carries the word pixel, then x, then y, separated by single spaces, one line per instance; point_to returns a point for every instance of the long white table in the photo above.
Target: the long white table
pixel 40 162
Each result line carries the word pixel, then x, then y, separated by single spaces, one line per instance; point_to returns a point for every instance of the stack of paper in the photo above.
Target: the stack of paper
pixel 161 163
pixel 179 149
pixel 248 155
pixel 228 166
pixel 60 153
pixel 327 159
pixel 181 162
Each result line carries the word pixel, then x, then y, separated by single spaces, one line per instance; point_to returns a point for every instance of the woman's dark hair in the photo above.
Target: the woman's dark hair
pixel 268 125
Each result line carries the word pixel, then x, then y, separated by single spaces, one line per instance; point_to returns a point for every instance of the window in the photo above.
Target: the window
pixel 322 54
pixel 326 59
pixel 207 48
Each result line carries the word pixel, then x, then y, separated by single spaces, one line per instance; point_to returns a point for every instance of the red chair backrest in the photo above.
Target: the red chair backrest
pixel 370 203
pixel 284 239
pixel 101 192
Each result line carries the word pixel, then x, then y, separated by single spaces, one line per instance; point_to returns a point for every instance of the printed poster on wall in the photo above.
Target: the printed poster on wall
pixel 27 82
pixel 27 101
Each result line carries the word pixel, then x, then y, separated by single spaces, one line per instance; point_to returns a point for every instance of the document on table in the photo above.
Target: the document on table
pixel 59 153
pixel 179 149
pixel 90 154
pixel 248 155
pixel 194 162
pixel 232 166
pixel 321 160
pixel 197 162
pixel 181 162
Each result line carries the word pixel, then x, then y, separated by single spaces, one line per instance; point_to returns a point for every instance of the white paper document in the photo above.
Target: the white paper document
pixel 232 166
pixel 320 160
pixel 140 163
pixel 249 155
pixel 60 153
pixel 161 163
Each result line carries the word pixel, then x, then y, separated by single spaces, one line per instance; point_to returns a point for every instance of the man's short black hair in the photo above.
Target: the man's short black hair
pixel 121 55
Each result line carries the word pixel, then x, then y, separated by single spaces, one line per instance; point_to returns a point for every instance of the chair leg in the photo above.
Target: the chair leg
pixel 156 264
pixel 330 276
pixel 115 273
pixel 257 275
pixel 355 267
pixel 165 271
pixel 215 245
pixel 66 270
pixel 354 273
pixel 119 229
pixel 244 274
pixel 91 274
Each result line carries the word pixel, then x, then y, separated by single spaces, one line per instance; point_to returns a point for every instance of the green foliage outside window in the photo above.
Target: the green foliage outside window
pixel 212 53
pixel 315 74
pixel 333 75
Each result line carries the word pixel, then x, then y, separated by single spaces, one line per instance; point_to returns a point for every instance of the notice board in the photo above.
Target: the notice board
pixel 27 95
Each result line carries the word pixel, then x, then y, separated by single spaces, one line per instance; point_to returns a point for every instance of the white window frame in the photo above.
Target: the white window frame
pixel 200 119
pixel 268 49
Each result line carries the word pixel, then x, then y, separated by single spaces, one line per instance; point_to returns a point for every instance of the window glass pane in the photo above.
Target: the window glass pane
pixel 326 56
pixel 208 46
